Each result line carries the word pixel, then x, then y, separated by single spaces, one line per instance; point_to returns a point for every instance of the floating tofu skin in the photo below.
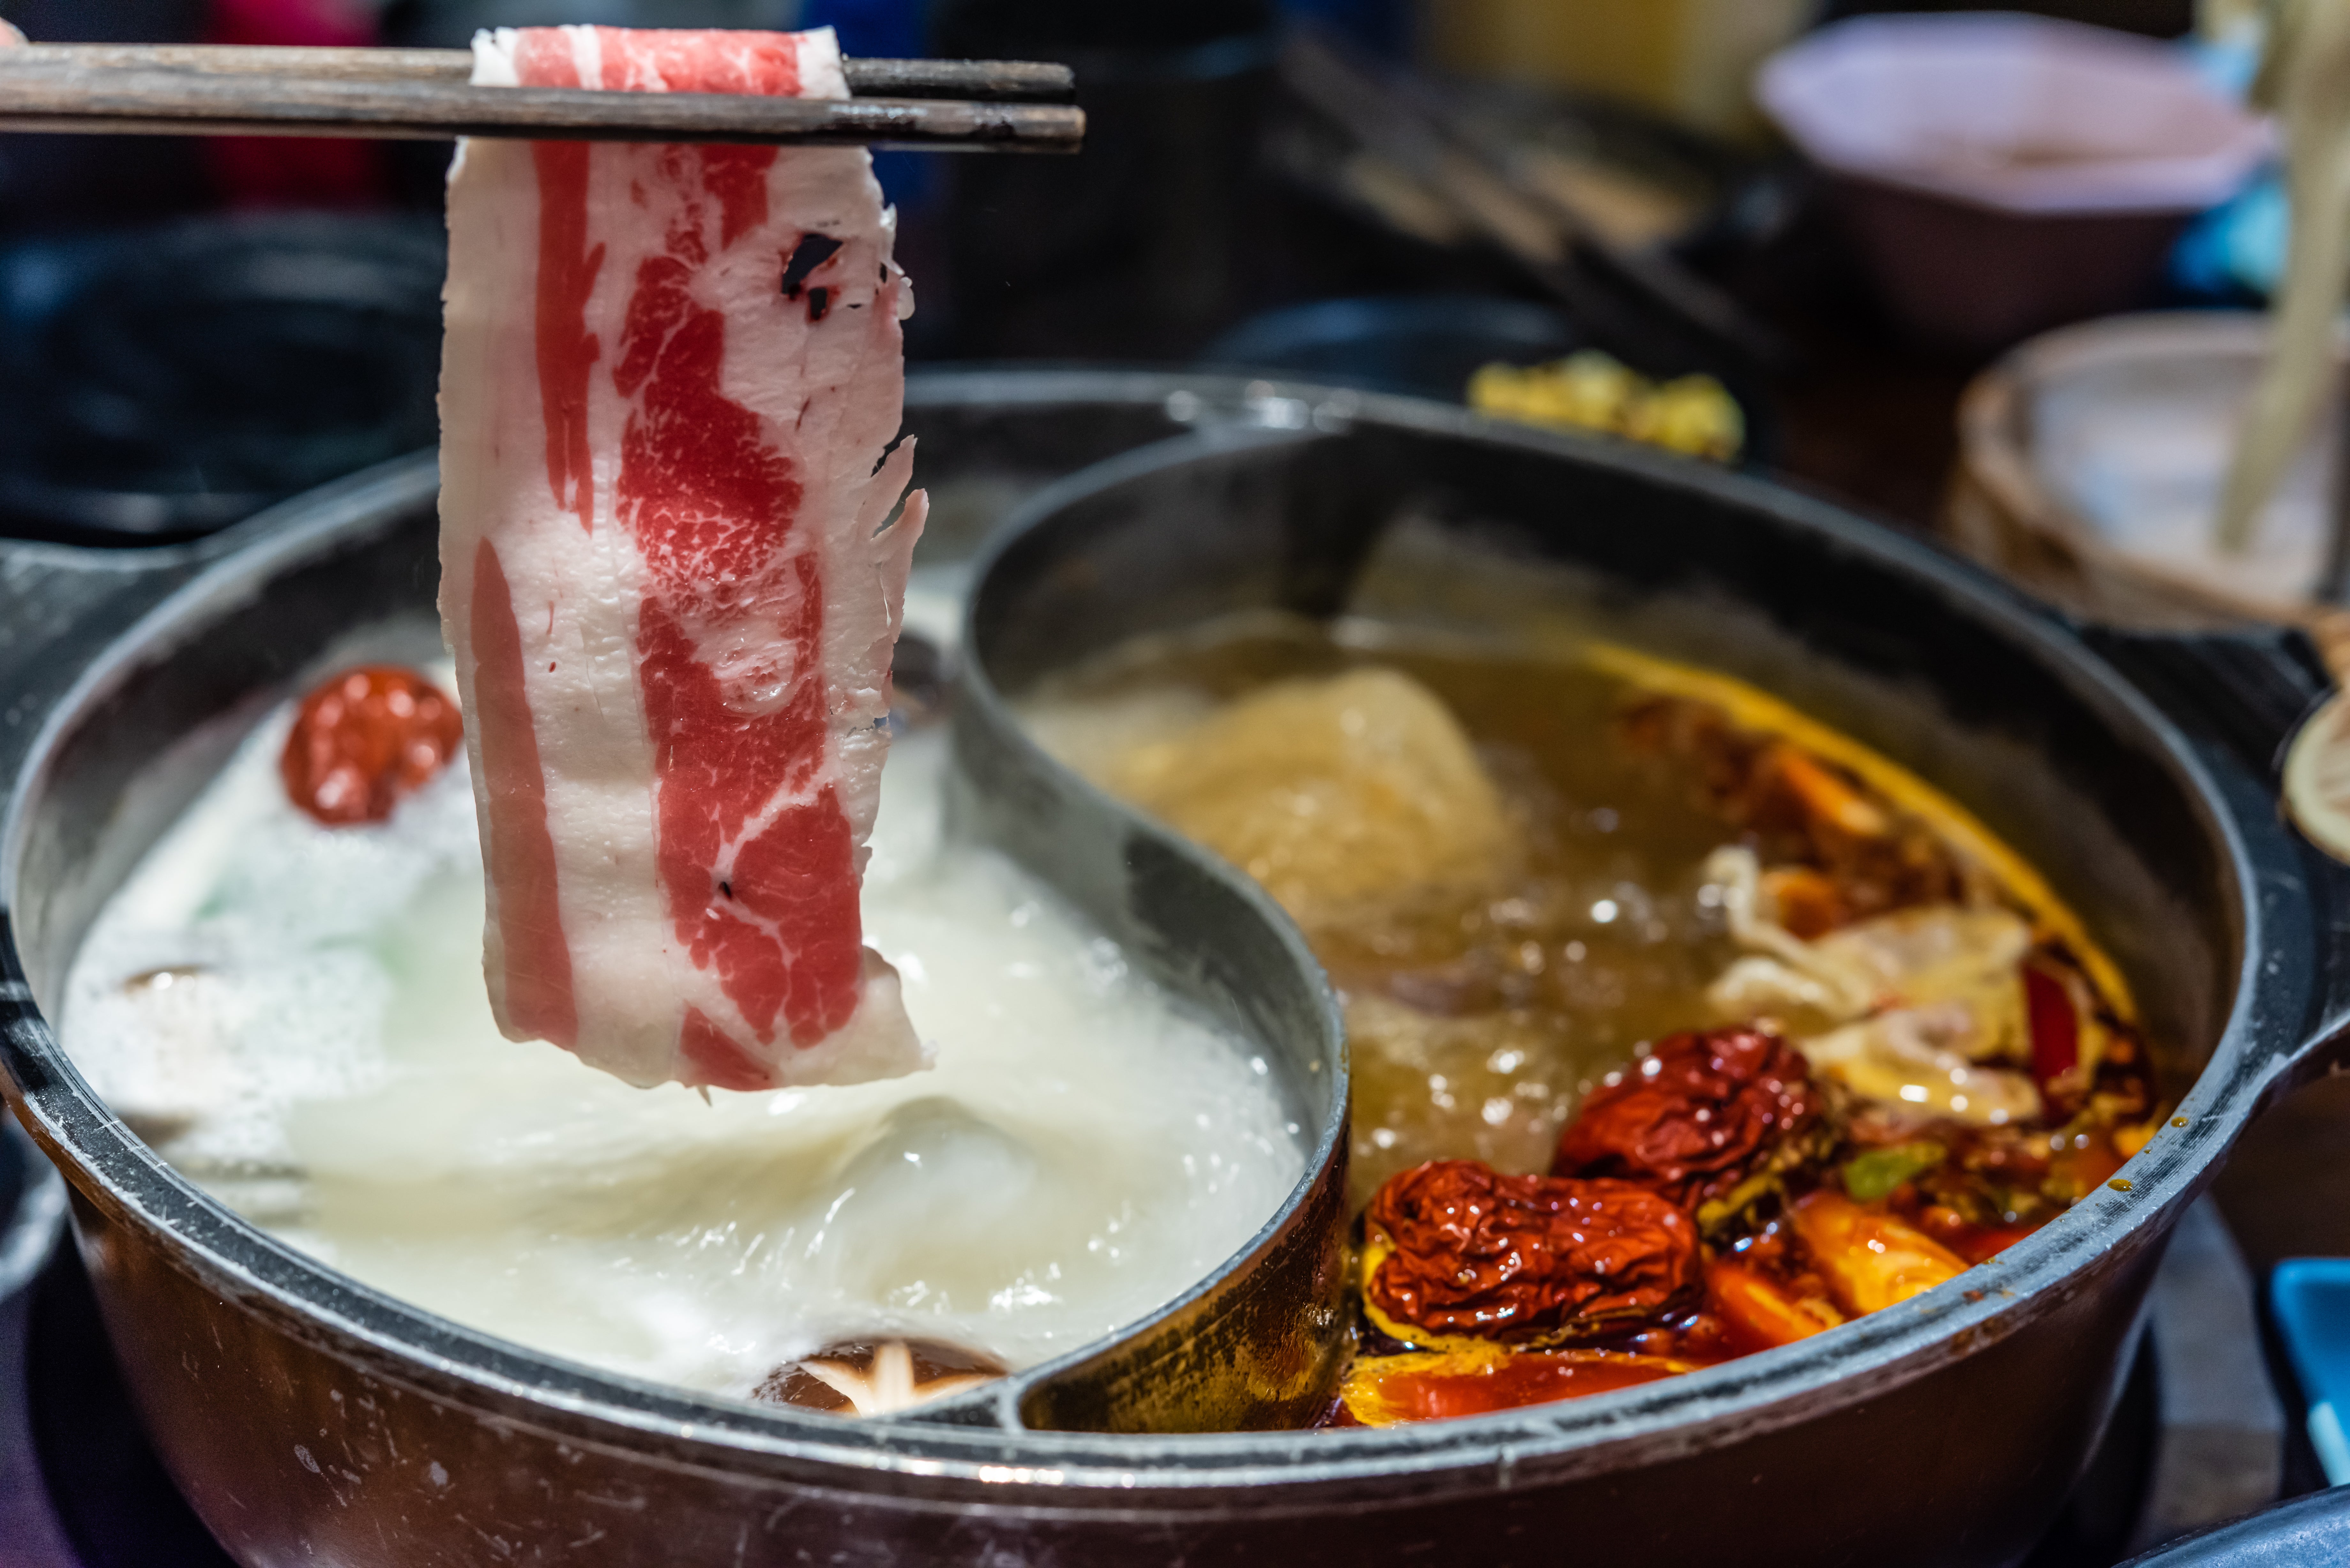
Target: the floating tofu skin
pixel 1336 794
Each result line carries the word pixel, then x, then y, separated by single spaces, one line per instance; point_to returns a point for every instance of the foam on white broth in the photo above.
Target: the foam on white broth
pixel 295 1016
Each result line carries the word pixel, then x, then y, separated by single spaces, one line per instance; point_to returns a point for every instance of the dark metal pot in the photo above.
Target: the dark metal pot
pixel 2311 1529
pixel 32 1212
pixel 310 1420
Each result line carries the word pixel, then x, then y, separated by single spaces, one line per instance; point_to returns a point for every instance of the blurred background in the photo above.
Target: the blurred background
pixel 1993 279
pixel 1393 193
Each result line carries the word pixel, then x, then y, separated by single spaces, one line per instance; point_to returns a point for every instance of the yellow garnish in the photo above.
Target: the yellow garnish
pixel 1593 391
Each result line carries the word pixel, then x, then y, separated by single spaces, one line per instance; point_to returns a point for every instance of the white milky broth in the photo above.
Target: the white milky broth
pixel 295 1016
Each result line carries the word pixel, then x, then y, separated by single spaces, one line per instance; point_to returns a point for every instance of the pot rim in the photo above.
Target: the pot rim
pixel 1265 1471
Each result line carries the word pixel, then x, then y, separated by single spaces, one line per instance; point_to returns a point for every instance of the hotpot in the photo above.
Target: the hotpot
pixel 310 1420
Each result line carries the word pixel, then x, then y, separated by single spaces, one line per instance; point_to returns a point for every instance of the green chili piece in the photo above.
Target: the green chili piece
pixel 1871 1176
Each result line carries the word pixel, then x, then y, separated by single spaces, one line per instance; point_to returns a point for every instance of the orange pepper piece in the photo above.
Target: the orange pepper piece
pixel 1809 903
pixel 1828 796
pixel 1757 1313
pixel 1870 1260
pixel 1436 1386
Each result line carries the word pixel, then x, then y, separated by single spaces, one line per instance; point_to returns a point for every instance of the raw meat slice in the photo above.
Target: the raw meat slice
pixel 672 377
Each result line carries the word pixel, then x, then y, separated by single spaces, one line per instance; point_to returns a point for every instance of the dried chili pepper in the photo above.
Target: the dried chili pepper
pixel 1382 1391
pixel 1457 1251
pixel 1975 1244
pixel 2055 1026
pixel 1760 1312
pixel 365 739
pixel 1695 1117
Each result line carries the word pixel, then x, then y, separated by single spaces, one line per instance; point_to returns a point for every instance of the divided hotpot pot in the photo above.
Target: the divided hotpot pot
pixel 311 1420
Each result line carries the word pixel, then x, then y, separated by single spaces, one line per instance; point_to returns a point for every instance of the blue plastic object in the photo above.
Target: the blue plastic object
pixel 2237 247
pixel 2311 1298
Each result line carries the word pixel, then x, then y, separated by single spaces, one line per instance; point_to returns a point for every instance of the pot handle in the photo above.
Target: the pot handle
pixel 59 603
pixel 2245 691
pixel 2241 696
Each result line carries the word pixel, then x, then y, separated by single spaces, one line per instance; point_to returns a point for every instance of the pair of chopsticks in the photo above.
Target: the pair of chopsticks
pixel 425 95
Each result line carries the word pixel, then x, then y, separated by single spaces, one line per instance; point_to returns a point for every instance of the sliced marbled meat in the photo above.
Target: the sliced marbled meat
pixel 665 570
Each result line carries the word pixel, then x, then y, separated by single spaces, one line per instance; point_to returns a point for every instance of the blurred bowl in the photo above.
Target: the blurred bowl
pixel 162 383
pixel 1429 344
pixel 2090 461
pixel 2002 174
pixel 1420 345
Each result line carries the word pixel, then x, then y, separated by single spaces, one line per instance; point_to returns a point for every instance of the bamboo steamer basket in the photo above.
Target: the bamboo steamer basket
pixel 2002 511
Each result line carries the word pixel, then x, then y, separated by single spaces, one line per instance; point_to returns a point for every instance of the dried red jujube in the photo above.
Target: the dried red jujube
pixel 1693 1117
pixel 1524 1258
pixel 365 739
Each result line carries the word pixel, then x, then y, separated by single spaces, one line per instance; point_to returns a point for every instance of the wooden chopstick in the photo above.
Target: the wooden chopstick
pixel 1036 81
pixel 416 95
pixel 1427 138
